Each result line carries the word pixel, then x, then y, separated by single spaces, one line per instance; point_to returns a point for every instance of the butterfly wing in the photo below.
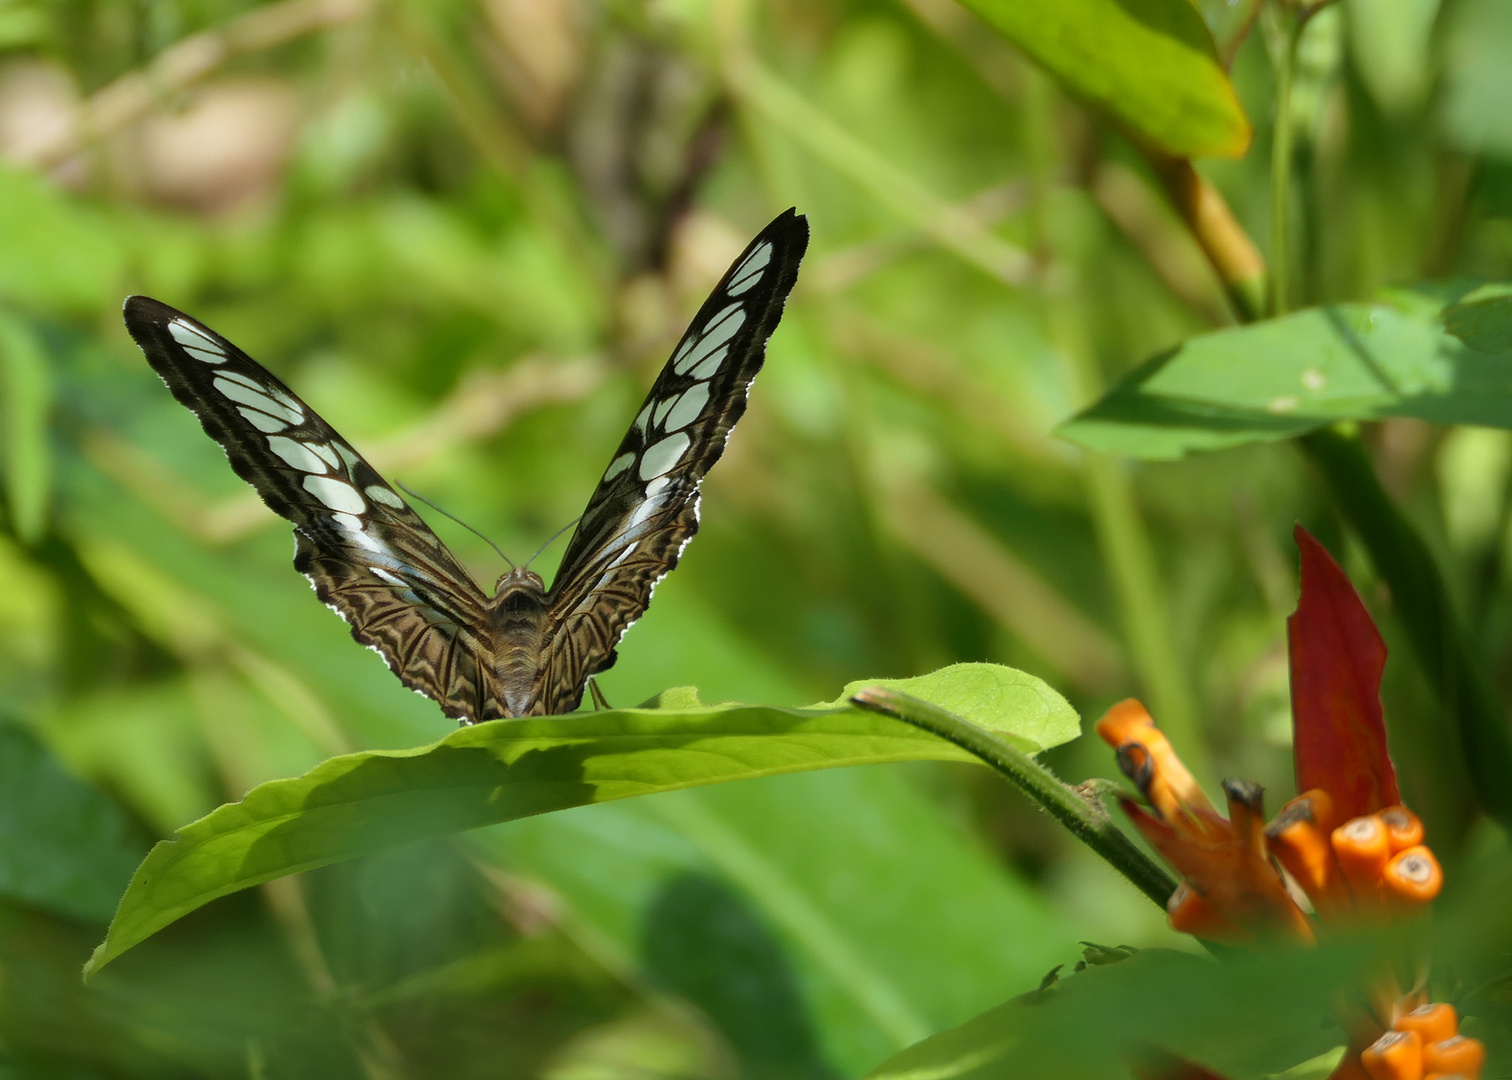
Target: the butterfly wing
pixel 368 555
pixel 645 509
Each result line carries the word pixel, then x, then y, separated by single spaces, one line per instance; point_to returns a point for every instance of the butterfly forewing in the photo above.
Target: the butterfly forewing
pixel 368 555
pixel 645 509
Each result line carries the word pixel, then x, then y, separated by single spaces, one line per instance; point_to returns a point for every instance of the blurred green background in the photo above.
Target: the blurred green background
pixel 469 233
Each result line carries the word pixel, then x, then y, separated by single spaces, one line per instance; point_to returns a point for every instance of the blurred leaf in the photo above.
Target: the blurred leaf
pixel 1477 77
pixel 58 255
pixel 1287 376
pixel 25 399
pixel 1245 1018
pixel 1483 320
pixel 1393 48
pixel 64 846
pixel 359 803
pixel 1150 63
pixel 859 913
pixel 21 26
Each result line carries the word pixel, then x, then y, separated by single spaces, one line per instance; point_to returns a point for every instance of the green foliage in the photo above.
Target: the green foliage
pixel 64 847
pixel 361 803
pixel 1150 64
pixel 469 234
pixel 1288 376
pixel 1246 1018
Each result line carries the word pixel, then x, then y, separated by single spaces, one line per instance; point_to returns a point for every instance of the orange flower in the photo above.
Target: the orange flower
pixel 1346 843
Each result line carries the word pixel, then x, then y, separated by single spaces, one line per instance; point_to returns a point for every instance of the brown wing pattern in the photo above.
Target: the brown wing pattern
pixel 368 555
pixel 645 509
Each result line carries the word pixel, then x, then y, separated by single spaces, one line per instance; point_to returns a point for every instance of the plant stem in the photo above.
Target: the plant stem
pixel 1086 819
pixel 1282 139
pixel 1438 637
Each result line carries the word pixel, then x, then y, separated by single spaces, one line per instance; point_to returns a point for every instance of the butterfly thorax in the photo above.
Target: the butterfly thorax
pixel 517 615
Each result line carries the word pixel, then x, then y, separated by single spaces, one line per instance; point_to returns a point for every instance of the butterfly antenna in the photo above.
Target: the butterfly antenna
pixel 462 523
pixel 553 536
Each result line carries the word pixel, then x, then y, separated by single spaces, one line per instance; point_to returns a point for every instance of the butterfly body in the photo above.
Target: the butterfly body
pixel 517 615
pixel 526 650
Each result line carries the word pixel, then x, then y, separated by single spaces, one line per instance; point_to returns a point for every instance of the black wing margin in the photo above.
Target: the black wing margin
pixel 645 509
pixel 368 555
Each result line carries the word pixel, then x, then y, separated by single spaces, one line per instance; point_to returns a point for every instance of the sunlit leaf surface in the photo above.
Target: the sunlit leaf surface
pixel 1152 65
pixel 361 803
pixel 1291 375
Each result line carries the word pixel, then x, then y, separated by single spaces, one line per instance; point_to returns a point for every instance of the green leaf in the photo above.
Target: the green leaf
pixel 63 845
pixel 25 399
pixel 1483 320
pixel 1150 63
pixel 1250 1016
pixel 863 890
pixel 481 775
pixel 1003 700
pixel 1287 376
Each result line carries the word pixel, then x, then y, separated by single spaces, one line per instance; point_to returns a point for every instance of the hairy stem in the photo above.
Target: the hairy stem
pixel 1086 818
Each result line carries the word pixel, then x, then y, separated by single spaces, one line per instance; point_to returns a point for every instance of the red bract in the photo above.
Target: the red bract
pixel 1337 658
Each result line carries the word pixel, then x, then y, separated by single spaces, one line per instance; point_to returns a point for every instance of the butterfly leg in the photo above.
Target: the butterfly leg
pixel 599 700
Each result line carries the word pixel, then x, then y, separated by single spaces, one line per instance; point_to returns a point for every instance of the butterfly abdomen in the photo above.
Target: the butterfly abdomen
pixel 517 616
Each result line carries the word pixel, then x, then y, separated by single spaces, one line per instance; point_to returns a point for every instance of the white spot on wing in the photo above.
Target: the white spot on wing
pixel 347 455
pixel 618 465
pixel 190 338
pixel 645 511
pixel 326 454
pixel 383 575
pixel 688 407
pixel 336 494
pixel 238 377
pixel 661 456
pixel 640 421
pixel 296 454
pixel 720 330
pixel 749 272
pixel 660 412
pixel 711 365
pixel 240 392
pixel 261 420
pixel 655 486
pixel 380 494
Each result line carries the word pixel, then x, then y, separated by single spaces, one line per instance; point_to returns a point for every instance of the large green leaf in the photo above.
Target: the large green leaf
pixel 1252 1016
pixel 1287 376
pixel 64 846
pixel 359 803
pixel 830 917
pixel 1150 63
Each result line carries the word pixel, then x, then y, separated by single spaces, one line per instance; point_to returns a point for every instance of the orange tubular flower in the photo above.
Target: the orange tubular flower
pixel 1346 842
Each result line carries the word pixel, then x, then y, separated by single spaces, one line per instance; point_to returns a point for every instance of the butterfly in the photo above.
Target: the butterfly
pixel 526 650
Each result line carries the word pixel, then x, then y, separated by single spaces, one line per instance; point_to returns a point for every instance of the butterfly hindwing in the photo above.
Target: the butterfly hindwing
pixel 645 509
pixel 368 555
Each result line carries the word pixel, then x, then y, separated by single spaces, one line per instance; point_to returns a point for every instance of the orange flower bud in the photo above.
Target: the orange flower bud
pixel 1403 829
pixel 1191 914
pixel 1413 876
pixel 1456 1054
pixel 1362 847
pixel 1396 1055
pixel 1435 1021
pixel 1299 838
pixel 1147 757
